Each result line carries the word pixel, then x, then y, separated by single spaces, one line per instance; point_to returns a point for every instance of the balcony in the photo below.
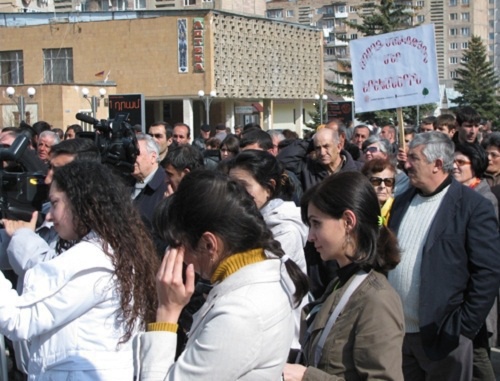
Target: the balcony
pixel 341 14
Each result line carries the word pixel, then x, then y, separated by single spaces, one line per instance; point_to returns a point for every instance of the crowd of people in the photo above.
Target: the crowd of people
pixel 258 255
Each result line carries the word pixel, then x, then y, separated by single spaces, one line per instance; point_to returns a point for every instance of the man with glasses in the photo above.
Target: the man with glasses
pixel 449 272
pixel 162 135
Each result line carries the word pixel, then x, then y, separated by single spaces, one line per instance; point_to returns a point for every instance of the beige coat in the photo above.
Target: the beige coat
pixel 366 341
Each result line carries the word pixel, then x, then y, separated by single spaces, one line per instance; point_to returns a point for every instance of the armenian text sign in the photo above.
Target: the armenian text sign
pixel 395 69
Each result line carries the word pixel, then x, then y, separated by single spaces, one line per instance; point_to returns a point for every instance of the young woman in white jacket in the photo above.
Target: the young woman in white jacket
pixel 80 309
pixel 245 328
pixel 264 178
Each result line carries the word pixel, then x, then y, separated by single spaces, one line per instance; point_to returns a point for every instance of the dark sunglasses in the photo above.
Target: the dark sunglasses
pixel 376 181
pixel 370 149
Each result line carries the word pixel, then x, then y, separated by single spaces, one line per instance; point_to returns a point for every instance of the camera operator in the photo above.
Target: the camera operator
pixel 23 244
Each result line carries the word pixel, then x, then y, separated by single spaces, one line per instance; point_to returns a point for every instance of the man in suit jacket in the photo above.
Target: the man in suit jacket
pixel 450 264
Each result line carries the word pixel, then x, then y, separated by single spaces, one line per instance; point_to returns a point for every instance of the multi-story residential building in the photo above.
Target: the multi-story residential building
pixel 249 7
pixel 455 21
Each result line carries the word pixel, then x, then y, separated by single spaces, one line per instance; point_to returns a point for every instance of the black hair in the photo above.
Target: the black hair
pixel 256 136
pixel 168 127
pixel 75 127
pixel 477 156
pixel 376 166
pixel 467 114
pixel 376 246
pixel 182 157
pixel 232 143
pixel 264 167
pixel 208 201
pixel 81 148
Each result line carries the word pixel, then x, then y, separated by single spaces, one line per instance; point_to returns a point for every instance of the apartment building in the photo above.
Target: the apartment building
pixel 455 22
pixel 247 7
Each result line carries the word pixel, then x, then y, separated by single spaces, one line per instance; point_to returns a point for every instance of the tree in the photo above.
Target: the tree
pixel 477 82
pixel 316 116
pixel 385 17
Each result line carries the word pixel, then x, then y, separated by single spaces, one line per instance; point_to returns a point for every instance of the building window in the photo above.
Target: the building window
pixel 453 46
pixel 341 9
pixel 352 9
pixel 453 3
pixel 453 60
pixel 466 16
pixel 58 65
pixel 420 3
pixel 329 23
pixel 275 13
pixel 465 2
pixel 289 13
pixel 453 31
pixel 420 18
pixel 139 4
pixel 465 31
pixel 329 11
pixel 453 16
pixel 465 45
pixel 453 74
pixel 189 2
pixel 330 51
pixel 354 36
pixel 11 67
pixel 206 1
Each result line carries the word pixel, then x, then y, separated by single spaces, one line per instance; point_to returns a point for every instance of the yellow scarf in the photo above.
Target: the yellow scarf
pixel 235 262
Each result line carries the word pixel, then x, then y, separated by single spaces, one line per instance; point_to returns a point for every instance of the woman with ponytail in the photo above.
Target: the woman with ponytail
pixel 355 331
pixel 245 328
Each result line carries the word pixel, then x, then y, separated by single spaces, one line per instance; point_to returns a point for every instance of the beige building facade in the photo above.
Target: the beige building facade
pixel 247 63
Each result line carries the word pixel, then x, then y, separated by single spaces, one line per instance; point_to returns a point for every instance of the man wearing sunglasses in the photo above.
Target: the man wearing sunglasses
pixel 449 272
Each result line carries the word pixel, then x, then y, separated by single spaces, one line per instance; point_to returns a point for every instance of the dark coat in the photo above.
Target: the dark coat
pixel 152 194
pixel 460 272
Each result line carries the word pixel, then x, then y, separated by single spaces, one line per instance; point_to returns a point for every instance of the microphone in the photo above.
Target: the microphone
pixel 86 118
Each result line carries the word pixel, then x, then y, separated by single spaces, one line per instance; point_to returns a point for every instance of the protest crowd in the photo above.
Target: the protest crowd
pixel 354 253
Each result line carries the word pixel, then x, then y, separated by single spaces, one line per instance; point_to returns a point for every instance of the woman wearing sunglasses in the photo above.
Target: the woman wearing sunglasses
pixel 376 148
pixel 382 175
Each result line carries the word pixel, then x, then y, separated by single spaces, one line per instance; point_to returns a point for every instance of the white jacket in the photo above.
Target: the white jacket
pixel 285 221
pixel 68 312
pixel 242 332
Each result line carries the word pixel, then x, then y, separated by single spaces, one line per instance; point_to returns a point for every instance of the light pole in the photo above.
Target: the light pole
pixel 321 98
pixel 19 100
pixel 207 100
pixel 93 101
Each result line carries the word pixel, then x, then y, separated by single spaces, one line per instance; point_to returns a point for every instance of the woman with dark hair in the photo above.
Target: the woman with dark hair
pixel 382 175
pixel 265 180
pixel 80 309
pixel 355 331
pixel 469 168
pixel 245 328
pixel 72 130
pixel 229 147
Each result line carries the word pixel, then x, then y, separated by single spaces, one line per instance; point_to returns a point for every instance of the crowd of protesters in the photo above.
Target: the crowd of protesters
pixel 355 253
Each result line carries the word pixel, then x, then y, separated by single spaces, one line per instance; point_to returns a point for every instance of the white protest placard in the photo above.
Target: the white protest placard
pixel 395 69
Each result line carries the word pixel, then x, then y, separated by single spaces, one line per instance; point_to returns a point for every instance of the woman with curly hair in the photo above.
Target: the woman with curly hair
pixel 80 309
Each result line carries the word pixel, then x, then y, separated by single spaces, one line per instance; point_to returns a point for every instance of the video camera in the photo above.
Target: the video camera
pixel 116 141
pixel 22 189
